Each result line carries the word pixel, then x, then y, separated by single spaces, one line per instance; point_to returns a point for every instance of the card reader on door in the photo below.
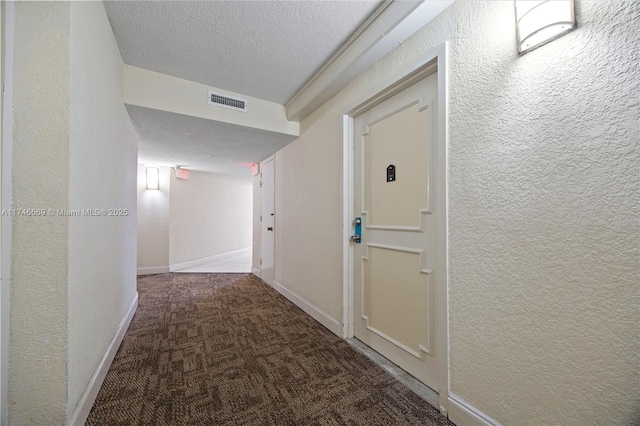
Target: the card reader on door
pixel 357 222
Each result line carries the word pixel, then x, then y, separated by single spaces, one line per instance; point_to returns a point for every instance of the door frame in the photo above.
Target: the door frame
pixel 431 62
pixel 6 147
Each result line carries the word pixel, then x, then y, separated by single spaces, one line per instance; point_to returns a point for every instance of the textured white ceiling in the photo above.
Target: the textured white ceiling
pixel 264 49
pixel 169 139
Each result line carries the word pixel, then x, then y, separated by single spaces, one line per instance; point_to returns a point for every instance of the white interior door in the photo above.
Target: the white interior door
pixel 395 262
pixel 267 272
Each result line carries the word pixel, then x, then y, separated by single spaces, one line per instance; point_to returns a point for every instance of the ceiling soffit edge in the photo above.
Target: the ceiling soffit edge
pixel 392 23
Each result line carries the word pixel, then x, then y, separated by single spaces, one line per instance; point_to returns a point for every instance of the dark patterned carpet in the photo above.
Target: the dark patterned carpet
pixel 226 349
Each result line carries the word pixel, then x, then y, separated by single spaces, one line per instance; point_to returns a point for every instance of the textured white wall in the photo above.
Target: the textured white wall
pixel 544 227
pixel 257 225
pixel 102 175
pixel 544 219
pixel 37 345
pixel 153 220
pixel 73 278
pixel 210 214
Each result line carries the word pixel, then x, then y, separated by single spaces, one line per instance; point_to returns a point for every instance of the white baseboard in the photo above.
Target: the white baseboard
pixel 316 313
pixel 464 414
pixel 153 270
pixel 196 262
pixel 91 392
pixel 255 271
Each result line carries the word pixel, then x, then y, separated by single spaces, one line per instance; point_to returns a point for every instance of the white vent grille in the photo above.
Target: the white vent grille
pixel 227 102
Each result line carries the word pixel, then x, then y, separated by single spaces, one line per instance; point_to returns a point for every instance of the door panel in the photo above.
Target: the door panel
pixel 408 295
pixel 399 203
pixel 395 262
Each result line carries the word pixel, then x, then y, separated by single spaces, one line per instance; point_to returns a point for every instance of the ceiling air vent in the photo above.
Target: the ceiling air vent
pixel 227 102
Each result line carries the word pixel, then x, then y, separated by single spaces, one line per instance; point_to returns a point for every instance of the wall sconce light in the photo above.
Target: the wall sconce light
pixel 153 178
pixel 539 22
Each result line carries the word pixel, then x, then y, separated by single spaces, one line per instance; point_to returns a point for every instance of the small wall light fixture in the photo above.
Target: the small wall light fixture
pixel 539 22
pixel 153 178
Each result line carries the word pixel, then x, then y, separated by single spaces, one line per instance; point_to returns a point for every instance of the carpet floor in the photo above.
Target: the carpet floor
pixel 226 349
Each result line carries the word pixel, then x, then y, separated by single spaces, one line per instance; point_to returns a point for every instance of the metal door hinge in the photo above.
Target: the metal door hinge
pixel 260 218
pixel 261 261
pixel 260 184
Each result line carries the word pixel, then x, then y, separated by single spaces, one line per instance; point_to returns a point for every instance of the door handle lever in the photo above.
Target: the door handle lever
pixel 270 228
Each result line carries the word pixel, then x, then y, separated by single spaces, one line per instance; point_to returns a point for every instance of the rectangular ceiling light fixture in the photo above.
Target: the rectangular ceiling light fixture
pixel 539 22
pixel 153 178
pixel 227 102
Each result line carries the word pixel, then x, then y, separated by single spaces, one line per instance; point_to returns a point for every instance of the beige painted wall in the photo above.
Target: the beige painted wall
pixel 103 151
pixel 153 221
pixel 308 201
pixel 188 220
pixel 543 211
pixel 155 90
pixel 210 214
pixel 73 278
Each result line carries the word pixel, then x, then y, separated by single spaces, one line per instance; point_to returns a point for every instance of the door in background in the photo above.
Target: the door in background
pixel 395 263
pixel 268 221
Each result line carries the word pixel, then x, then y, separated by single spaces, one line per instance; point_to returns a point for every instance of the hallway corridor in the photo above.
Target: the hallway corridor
pixel 237 261
pixel 226 349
